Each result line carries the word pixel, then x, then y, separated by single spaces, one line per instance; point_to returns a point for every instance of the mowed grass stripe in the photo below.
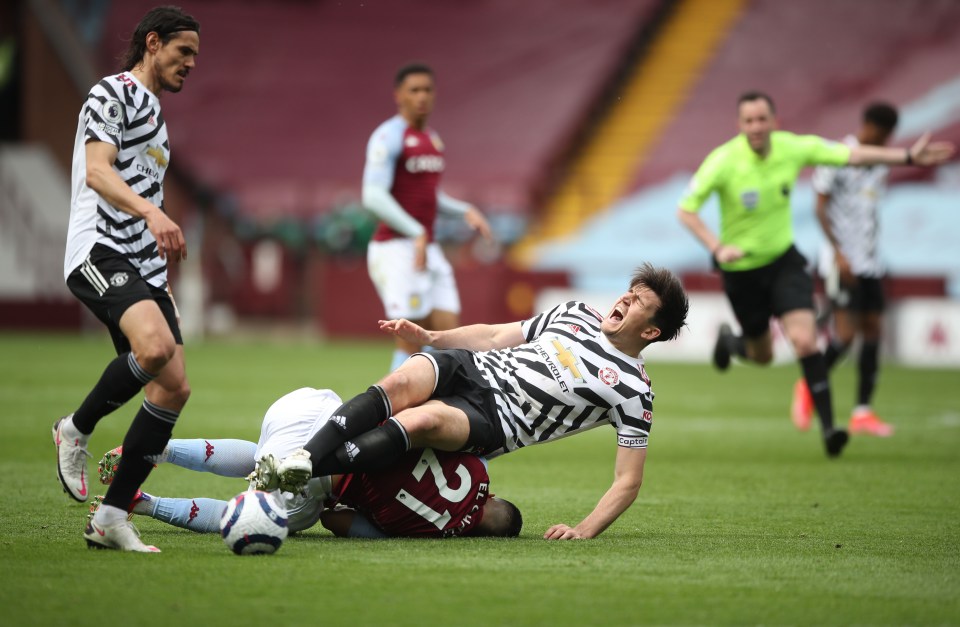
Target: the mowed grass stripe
pixel 738 522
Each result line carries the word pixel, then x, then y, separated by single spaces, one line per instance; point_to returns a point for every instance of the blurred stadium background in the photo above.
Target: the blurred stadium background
pixel 573 124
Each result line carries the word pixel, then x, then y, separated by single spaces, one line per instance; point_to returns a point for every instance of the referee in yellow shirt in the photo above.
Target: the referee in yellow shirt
pixel 764 275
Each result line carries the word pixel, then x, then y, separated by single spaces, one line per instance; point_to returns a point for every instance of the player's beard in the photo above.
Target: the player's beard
pixel 165 83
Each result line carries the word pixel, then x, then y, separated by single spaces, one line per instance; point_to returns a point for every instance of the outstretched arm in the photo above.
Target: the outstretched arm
pixel 475 337
pixel 923 152
pixel 628 475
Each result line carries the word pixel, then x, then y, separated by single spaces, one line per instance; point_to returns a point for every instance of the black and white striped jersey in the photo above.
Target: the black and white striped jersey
pixel 121 111
pixel 855 193
pixel 567 378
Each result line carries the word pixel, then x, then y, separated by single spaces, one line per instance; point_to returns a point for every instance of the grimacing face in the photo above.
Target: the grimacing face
pixel 175 59
pixel 757 121
pixel 415 96
pixel 631 318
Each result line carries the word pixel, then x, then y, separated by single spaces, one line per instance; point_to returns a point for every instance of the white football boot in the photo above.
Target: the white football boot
pixel 71 462
pixel 120 535
pixel 264 476
pixel 295 471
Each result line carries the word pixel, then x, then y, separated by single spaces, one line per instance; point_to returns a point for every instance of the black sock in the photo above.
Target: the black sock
pixel 735 345
pixel 835 350
pixel 121 380
pixel 869 365
pixel 367 452
pixel 815 372
pixel 358 415
pixel 147 436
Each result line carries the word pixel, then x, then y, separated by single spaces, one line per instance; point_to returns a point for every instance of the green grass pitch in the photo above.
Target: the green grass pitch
pixel 741 519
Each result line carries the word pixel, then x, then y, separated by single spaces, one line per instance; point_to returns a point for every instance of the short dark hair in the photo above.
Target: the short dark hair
pixel 411 68
pixel 166 22
pixel 882 115
pixel 501 519
pixel 750 96
pixel 674 304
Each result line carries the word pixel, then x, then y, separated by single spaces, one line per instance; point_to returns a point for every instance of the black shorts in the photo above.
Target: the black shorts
pixel 460 385
pixel 865 295
pixel 108 285
pixel 771 290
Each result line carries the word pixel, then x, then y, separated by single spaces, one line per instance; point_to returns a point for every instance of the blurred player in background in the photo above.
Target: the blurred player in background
pixel 764 274
pixel 426 493
pixel 847 202
pixel 493 389
pixel 118 246
pixel 401 186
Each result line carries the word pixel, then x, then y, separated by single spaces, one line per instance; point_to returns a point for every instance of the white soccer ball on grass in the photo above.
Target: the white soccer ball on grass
pixel 254 523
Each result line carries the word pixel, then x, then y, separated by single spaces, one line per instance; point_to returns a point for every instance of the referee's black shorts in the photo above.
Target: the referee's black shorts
pixel 460 385
pixel 771 290
pixel 108 285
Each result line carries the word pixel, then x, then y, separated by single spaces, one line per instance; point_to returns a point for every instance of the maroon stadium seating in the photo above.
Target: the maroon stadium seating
pixel 286 94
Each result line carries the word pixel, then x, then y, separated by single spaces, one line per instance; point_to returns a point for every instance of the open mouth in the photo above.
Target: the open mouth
pixel 616 315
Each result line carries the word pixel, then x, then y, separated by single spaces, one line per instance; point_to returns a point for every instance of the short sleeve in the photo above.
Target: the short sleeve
pixel 104 115
pixel 703 183
pixel 819 151
pixel 533 327
pixel 633 420
pixel 383 149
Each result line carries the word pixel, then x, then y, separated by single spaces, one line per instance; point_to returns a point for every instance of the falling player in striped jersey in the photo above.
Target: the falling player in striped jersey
pixel 118 245
pixel 426 493
pixel 401 186
pixel 492 389
pixel 847 208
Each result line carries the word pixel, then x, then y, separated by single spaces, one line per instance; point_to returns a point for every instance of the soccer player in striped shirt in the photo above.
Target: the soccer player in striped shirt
pixel 764 274
pixel 493 389
pixel 847 208
pixel 119 243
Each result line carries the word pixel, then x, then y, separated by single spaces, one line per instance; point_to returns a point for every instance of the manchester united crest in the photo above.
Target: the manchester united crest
pixel 608 376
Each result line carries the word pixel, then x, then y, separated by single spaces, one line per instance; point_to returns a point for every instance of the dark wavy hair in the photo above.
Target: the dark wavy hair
pixel 674 304
pixel 166 22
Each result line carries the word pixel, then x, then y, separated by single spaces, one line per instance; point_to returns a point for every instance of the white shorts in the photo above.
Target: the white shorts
pixel 409 294
pixel 289 424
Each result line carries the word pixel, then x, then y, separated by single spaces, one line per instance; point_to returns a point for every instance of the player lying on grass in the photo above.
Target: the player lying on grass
pixel 492 389
pixel 423 494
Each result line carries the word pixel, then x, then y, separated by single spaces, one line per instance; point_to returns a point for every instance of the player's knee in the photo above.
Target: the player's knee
pixel 155 352
pixel 405 387
pixel 421 426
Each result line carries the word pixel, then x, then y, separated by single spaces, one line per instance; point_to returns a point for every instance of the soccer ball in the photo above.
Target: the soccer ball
pixel 253 523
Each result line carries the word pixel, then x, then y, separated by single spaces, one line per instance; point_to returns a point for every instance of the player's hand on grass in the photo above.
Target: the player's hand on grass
pixel 927 153
pixel 562 532
pixel 420 253
pixel 407 331
pixel 170 242
pixel 478 223
pixel 725 253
